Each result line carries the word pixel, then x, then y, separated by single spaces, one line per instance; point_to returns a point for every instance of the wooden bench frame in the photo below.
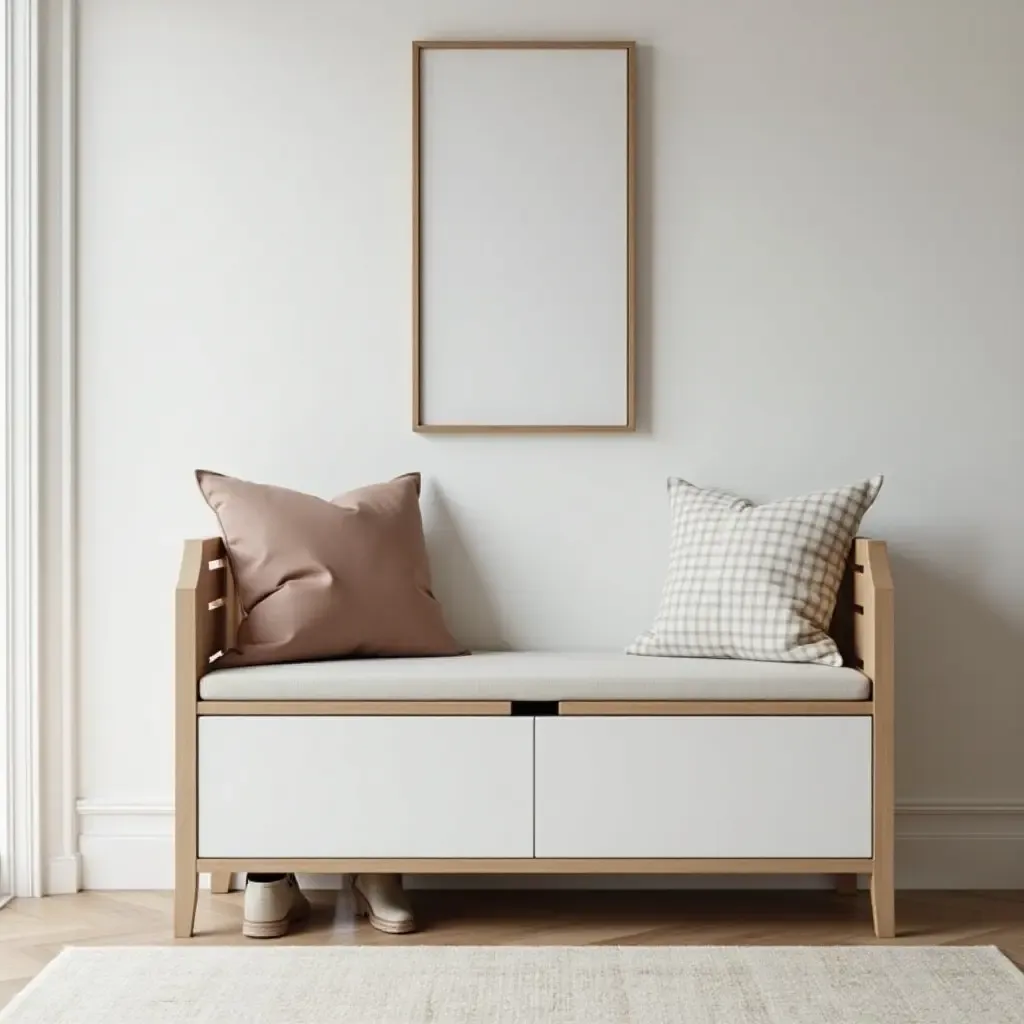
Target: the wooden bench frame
pixel 206 618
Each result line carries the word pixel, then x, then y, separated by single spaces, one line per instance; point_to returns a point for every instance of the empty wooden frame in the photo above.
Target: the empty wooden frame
pixel 523 236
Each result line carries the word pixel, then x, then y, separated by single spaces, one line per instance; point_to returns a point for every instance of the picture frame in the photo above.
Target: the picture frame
pixel 523 278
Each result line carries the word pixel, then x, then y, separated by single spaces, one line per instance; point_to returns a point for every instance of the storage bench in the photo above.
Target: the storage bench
pixel 531 762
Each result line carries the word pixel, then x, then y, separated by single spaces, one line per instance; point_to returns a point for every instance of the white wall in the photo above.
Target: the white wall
pixel 831 236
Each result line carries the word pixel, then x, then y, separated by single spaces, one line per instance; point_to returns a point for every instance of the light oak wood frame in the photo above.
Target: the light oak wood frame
pixel 873 628
pixel 417 279
pixel 206 619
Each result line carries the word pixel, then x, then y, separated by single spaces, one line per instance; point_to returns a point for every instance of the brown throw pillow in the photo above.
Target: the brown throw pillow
pixel 328 579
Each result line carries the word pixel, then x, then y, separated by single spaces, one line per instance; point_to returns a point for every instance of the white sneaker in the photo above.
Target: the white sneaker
pixel 382 900
pixel 270 907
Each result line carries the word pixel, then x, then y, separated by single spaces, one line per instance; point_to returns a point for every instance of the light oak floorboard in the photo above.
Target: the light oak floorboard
pixel 32 932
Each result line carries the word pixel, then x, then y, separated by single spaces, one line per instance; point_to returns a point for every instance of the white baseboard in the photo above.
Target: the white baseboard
pixel 63 875
pixel 977 844
pixel 127 862
pixel 940 845
pixel 126 846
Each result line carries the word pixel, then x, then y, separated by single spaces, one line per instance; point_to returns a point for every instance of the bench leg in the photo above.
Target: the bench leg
pixel 846 885
pixel 883 903
pixel 220 882
pixel 186 891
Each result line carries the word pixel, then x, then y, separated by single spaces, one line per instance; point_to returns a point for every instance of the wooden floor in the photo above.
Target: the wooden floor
pixel 34 931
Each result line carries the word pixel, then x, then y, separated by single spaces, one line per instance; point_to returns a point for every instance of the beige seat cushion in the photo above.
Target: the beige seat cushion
pixel 532 675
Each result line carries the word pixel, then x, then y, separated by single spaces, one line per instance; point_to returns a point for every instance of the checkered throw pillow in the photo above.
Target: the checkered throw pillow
pixel 757 582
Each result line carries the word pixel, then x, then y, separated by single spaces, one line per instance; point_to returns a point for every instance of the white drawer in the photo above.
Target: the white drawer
pixel 348 786
pixel 695 786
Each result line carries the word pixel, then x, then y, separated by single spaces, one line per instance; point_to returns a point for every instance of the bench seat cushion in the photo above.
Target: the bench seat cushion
pixel 538 676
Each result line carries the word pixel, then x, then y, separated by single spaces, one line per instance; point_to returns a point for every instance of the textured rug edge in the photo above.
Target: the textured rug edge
pixel 33 983
pixel 73 952
pixel 266 950
pixel 1008 966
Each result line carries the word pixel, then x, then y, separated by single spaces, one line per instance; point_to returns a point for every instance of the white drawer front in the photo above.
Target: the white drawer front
pixel 699 786
pixel 365 787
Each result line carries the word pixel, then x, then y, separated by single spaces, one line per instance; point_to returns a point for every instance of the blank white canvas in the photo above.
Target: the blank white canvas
pixel 523 200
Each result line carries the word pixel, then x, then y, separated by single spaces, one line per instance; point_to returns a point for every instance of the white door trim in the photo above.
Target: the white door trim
pixel 21 862
pixel 63 864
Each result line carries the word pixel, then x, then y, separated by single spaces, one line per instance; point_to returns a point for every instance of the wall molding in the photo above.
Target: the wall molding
pixel 936 816
pixel 63 875
pixel 940 844
pixel 21 861
pixel 126 845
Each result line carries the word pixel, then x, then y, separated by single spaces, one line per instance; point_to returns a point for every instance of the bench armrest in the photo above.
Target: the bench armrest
pixel 873 614
pixel 203 605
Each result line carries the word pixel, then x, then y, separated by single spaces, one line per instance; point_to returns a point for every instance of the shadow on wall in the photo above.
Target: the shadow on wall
pixel 457 581
pixel 959 681
pixel 644 227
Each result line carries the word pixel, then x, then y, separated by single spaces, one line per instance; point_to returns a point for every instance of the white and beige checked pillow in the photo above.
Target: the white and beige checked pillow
pixel 757 582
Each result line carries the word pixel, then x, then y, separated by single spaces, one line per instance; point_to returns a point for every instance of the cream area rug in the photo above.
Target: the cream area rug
pixel 517 985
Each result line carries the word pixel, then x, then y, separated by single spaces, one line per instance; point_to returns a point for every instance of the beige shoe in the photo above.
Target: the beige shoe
pixel 382 900
pixel 270 907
